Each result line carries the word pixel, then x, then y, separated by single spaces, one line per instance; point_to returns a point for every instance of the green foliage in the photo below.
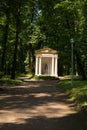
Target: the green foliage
pixel 8 81
pixel 78 93
pixel 42 23
pixel 46 77
pixel 63 20
pixel 1 74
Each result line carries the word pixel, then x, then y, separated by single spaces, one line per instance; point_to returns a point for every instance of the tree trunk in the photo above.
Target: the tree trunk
pixel 4 43
pixel 60 67
pixel 31 58
pixel 21 67
pixel 16 44
pixel 14 57
pixel 33 61
pixel 80 66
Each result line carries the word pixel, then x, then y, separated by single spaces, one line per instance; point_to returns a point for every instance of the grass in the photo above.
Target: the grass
pixel 32 76
pixel 78 92
pixel 7 80
pixel 45 77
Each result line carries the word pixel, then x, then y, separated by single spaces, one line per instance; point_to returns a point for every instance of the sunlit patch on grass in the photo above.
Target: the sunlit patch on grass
pixel 78 92
pixel 10 81
pixel 84 103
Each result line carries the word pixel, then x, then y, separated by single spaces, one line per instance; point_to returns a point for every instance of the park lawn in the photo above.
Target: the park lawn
pixel 77 93
pixel 7 80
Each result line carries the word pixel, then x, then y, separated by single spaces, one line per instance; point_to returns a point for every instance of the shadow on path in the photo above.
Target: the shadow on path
pixel 37 105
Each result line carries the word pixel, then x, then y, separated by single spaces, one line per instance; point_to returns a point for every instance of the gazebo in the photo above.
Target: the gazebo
pixel 46 62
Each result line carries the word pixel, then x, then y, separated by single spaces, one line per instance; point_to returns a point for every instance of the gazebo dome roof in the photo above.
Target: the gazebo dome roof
pixel 45 50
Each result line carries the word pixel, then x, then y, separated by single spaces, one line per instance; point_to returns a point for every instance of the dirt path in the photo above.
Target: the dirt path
pixel 37 105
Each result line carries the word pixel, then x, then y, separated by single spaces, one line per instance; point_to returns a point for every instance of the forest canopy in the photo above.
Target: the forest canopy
pixel 28 25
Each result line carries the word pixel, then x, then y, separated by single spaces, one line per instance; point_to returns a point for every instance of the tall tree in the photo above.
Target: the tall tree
pixel 63 20
pixel 6 11
pixel 18 22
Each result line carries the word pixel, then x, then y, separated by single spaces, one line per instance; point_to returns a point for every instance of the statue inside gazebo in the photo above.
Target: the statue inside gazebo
pixel 46 62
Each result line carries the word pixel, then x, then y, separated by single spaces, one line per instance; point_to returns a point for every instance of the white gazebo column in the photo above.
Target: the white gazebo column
pixel 39 65
pixel 36 68
pixel 52 66
pixel 56 66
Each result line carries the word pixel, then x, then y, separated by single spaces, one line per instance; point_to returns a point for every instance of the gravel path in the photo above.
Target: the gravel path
pixel 37 105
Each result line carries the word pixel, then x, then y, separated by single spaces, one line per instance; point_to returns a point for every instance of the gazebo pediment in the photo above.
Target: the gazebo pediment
pixel 46 51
